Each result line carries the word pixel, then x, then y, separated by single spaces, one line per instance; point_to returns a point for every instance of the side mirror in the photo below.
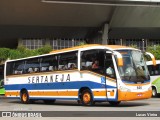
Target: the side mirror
pixel 152 57
pixel 119 58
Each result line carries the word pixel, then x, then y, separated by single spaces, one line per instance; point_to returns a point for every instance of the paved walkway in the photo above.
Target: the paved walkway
pixel 2 96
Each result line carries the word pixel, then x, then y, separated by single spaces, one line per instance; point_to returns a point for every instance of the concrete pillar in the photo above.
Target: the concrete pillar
pixel 20 42
pixel 123 41
pixel 105 34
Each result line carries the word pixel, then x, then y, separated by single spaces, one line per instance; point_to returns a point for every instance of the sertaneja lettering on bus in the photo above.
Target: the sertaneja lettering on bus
pixel 49 78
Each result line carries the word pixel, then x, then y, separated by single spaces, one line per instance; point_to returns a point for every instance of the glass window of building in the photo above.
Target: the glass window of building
pixel 33 43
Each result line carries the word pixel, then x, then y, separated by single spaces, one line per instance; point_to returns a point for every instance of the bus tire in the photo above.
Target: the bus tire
pixel 154 92
pixel 25 97
pixel 87 98
pixel 49 101
pixel 114 103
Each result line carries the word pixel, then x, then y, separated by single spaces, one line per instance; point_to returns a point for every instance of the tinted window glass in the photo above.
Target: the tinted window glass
pixel 32 65
pixel 68 61
pixel 49 63
pixel 93 60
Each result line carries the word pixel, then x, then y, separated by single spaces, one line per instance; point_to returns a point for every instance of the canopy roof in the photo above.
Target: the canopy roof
pixel 39 19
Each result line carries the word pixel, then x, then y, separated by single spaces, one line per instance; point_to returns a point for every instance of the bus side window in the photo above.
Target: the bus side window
pixel 87 59
pixel 93 60
pixel 149 69
pixel 68 61
pixel 43 69
pixel 156 70
pixel 9 68
pixel 32 65
pixel 110 71
pixel 48 63
pixel 50 68
pixel 30 70
pixel 18 67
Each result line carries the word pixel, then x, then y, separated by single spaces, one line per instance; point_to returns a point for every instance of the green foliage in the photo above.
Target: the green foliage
pixel 4 53
pixel 155 50
pixel 44 50
pixel 133 46
pixel 14 54
pixel 21 52
pixel 82 43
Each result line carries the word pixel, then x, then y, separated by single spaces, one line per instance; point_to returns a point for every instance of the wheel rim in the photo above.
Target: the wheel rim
pixel 24 97
pixel 86 98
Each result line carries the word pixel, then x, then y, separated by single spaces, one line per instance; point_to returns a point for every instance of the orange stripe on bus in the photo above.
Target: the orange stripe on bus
pixel 53 93
pixel 73 48
pixel 112 93
pixel 12 93
pixel 99 93
pixel 45 93
pixel 85 46
pixel 117 46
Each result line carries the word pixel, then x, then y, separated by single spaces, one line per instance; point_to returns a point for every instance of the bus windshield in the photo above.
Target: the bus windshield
pixel 134 69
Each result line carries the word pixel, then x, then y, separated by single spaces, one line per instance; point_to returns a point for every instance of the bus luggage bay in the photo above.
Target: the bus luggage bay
pixel 88 74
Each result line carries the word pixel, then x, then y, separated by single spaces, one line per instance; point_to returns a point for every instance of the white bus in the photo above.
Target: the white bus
pixel 155 76
pixel 88 74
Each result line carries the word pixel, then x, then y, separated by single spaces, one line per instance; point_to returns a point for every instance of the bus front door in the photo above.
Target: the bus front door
pixel 110 77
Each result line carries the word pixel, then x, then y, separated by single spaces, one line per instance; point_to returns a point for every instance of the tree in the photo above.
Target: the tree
pixel 44 50
pixel 155 50
pixel 21 52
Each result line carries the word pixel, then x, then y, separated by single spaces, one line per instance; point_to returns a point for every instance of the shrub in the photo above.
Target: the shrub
pixel 44 50
pixel 4 53
pixel 155 50
pixel 21 52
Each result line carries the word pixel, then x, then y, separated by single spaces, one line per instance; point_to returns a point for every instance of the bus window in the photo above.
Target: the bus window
pixel 92 60
pixel 18 67
pixel 9 69
pixel 110 71
pixel 48 63
pixel 151 69
pixel 32 65
pixel 154 70
pixel 68 61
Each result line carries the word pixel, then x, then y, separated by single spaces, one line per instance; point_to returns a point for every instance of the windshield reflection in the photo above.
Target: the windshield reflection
pixel 134 69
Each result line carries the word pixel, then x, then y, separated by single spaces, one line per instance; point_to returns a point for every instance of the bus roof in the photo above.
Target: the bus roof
pixel 151 62
pixel 110 47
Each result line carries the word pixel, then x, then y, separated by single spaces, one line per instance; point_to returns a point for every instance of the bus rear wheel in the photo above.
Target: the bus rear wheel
pixel 25 97
pixel 154 92
pixel 87 98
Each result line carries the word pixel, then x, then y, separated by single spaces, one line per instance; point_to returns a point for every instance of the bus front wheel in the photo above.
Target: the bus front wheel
pixel 86 98
pixel 25 97
pixel 154 92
